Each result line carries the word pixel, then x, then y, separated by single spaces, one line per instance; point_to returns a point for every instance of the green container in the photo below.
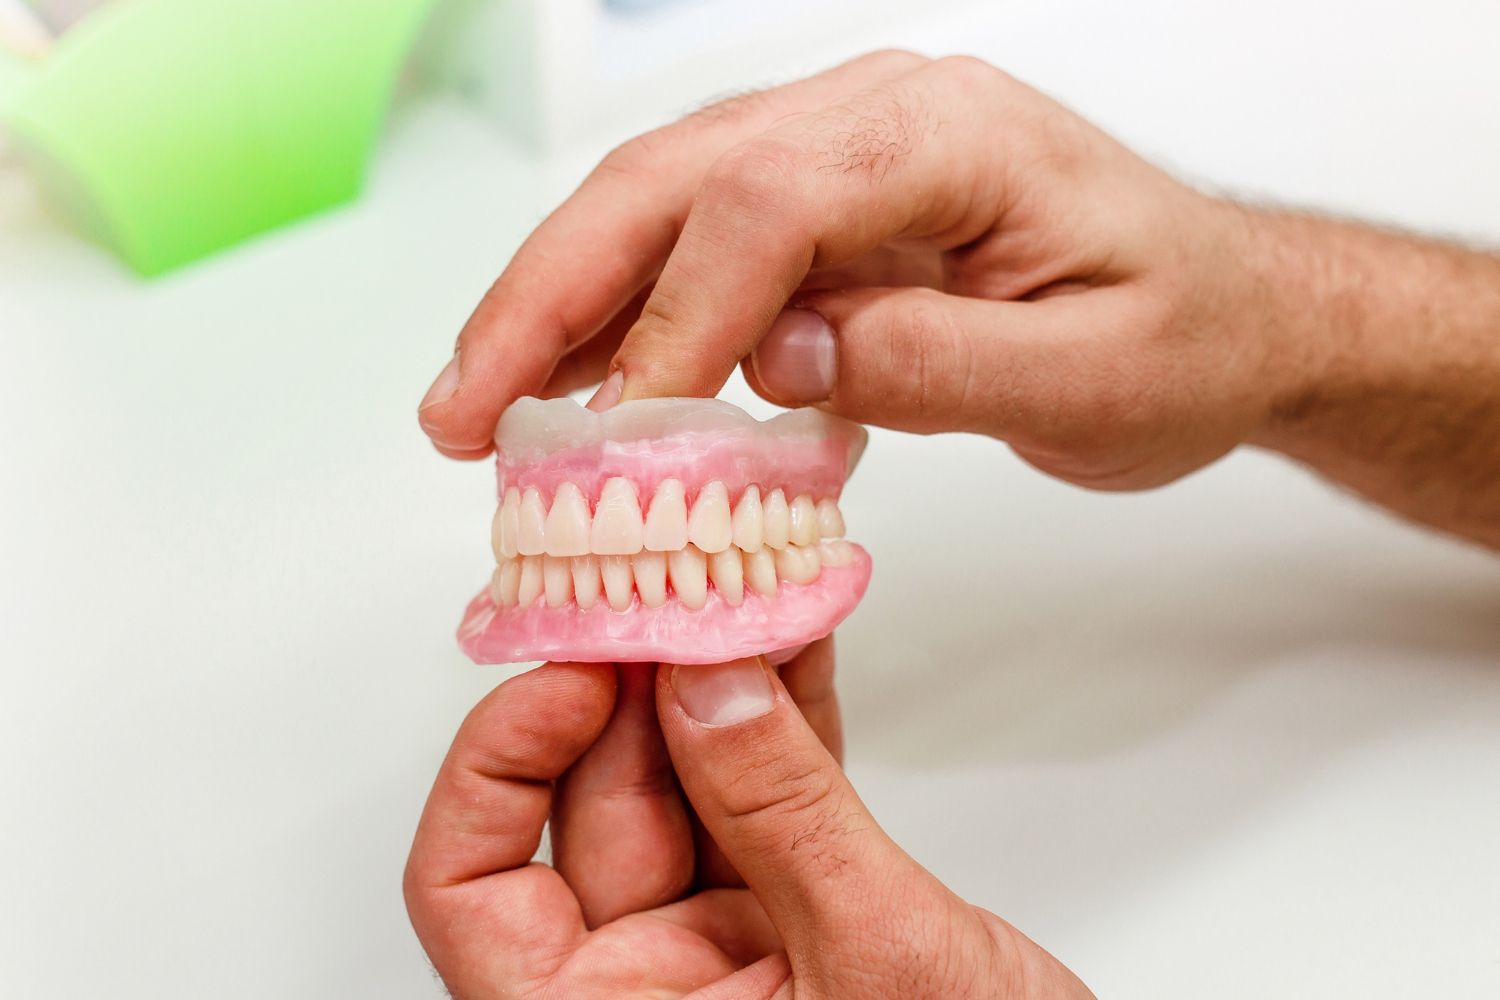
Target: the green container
pixel 170 129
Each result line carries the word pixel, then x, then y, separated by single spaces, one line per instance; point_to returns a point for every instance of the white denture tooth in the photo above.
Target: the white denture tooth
pixel 760 572
pixel 836 553
pixel 507 527
pixel 650 570
pixel 619 581
pixel 747 523
pixel 727 572
pixel 531 533
pixel 778 520
pixel 708 523
pixel 530 587
pixel 557 580
pixel 666 521
pixel 804 515
pixel 568 522
pixel 687 568
pixel 506 584
pixel 830 519
pixel 617 527
pixel 798 564
pixel 587 583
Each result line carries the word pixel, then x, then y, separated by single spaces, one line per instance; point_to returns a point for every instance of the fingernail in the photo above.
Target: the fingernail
pixel 724 694
pixel 797 360
pixel 609 393
pixel 443 389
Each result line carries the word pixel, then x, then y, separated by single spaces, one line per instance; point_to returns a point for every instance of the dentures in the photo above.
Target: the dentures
pixel 676 530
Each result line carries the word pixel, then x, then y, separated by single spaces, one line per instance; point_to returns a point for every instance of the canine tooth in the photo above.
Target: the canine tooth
pixel 568 522
pixel 836 553
pixel 530 587
pixel 650 577
pixel 618 581
pixel 506 583
pixel 747 523
pixel 708 524
pixel 778 520
pixel 687 568
pixel 804 514
pixel 666 521
pixel 507 527
pixel 557 580
pixel 531 536
pixel 617 520
pixel 760 572
pixel 798 563
pixel 587 582
pixel 727 572
pixel 830 519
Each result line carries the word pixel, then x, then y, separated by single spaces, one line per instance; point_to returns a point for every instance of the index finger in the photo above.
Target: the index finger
pixel 602 246
pixel 877 168
pixel 483 912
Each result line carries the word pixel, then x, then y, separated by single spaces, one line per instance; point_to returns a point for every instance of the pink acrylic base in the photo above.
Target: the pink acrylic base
pixel 670 633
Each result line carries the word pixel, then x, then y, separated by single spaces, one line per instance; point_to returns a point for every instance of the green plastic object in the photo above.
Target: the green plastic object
pixel 170 129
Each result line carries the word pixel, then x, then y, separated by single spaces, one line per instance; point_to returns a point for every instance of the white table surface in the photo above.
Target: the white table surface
pixel 1237 738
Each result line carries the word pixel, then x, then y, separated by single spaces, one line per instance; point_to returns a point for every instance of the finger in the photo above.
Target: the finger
pixel 588 363
pixel 777 803
pixel 620 833
pixel 920 360
pixel 583 264
pixel 817 191
pixel 486 916
pixel 768 979
pixel 808 678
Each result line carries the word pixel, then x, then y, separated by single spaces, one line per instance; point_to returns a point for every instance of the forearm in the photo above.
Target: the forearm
pixel 1389 365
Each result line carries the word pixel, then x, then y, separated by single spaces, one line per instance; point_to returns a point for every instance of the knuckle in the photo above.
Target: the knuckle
pixel 757 175
pixel 891 60
pixel 636 159
pixel 935 350
pixel 970 70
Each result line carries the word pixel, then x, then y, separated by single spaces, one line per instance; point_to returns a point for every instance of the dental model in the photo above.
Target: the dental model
pixel 677 530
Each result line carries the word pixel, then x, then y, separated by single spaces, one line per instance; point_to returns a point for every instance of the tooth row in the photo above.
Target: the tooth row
pixel 525 526
pixel 685 573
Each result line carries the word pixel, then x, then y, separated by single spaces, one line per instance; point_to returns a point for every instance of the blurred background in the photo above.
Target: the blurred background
pixel 1239 737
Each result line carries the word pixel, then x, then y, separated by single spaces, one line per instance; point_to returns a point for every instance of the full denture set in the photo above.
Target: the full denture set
pixel 669 529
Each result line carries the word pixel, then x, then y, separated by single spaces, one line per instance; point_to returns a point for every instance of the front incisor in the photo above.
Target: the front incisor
pixel 568 523
pixel 617 520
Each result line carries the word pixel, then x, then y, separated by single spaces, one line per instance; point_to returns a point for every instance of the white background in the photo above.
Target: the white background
pixel 1238 738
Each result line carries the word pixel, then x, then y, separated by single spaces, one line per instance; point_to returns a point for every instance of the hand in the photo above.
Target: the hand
pixel 833 909
pixel 961 253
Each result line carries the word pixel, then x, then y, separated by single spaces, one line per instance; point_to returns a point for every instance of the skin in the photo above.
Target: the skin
pixel 986 261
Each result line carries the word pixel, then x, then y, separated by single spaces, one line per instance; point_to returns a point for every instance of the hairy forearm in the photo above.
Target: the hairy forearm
pixel 1389 365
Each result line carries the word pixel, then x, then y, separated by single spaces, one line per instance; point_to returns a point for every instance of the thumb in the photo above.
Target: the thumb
pixel 780 808
pixel 916 359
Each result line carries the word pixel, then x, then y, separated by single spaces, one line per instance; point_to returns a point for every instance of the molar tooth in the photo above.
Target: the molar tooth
pixel 507 526
pixel 708 524
pixel 830 519
pixel 798 563
pixel 587 582
pixel 688 570
pixel 836 553
pixel 666 521
pixel 804 515
pixel 530 587
pixel 557 580
pixel 727 572
pixel 650 577
pixel 747 523
pixel 760 572
pixel 618 581
pixel 778 520
pixel 617 520
pixel 505 584
pixel 568 522
pixel 531 535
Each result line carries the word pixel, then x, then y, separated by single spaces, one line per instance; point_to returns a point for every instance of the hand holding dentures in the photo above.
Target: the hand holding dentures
pixel 762 875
